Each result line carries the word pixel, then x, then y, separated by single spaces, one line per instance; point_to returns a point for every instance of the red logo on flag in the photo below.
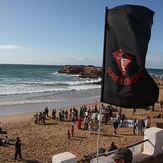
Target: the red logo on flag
pixel 122 60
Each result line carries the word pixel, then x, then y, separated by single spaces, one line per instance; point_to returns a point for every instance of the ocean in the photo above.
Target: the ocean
pixel 42 84
pixel 23 85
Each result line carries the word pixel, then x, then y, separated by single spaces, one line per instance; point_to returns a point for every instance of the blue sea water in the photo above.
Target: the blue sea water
pixel 155 72
pixel 22 84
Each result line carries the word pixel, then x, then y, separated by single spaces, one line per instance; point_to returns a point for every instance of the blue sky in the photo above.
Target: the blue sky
pixel 59 32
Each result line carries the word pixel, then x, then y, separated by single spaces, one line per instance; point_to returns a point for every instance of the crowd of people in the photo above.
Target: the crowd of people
pixel 39 118
pixel 89 118
pixel 140 125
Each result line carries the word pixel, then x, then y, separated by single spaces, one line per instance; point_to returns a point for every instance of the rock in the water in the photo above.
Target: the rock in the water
pixel 82 70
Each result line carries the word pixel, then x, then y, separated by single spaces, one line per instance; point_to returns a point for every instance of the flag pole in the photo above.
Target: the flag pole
pixel 99 124
pixel 99 129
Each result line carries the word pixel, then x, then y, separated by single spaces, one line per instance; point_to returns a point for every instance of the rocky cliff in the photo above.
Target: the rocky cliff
pixel 82 70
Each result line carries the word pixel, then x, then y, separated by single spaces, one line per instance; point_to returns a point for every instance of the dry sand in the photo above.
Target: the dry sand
pixel 41 142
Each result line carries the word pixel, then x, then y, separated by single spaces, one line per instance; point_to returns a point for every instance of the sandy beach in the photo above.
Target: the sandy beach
pixel 41 142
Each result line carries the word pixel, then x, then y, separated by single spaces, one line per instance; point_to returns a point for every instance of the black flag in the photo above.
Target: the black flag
pixel 125 81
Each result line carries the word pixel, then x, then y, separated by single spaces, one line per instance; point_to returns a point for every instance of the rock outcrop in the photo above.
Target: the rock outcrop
pixel 82 70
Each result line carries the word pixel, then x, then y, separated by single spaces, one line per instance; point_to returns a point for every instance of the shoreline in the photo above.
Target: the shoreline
pixel 24 110
pixel 21 117
pixel 7 110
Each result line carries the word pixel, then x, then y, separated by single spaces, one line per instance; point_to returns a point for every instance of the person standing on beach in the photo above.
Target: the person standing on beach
pixel 73 116
pixel 79 122
pixel 86 121
pixel 53 114
pixel 118 117
pixel 18 148
pixel 68 134
pixel 66 114
pixel 60 115
pixel 72 131
pixel 91 126
pixel 96 121
pixel 134 125
pixel 115 125
pixel 46 111
pixel 138 125
pixel 43 118
pixel 40 118
pixel 148 122
pixel 36 118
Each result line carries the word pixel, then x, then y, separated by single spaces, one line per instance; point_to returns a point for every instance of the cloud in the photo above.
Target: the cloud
pixel 10 46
